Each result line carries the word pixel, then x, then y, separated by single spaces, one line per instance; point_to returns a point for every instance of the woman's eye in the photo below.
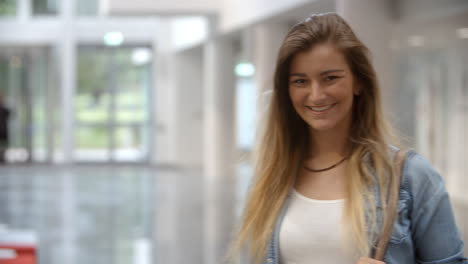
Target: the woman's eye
pixel 299 81
pixel 331 78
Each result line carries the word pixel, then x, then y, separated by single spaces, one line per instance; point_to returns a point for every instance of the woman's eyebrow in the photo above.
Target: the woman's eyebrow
pixel 298 74
pixel 331 71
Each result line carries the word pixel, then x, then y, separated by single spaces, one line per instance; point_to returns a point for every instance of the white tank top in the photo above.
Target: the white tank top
pixel 311 232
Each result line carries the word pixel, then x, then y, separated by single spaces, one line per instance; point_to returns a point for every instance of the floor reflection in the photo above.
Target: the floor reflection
pixel 104 214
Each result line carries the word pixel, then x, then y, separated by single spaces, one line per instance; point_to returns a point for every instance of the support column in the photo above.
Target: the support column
pixel 372 22
pixel 165 97
pixel 67 64
pixel 219 144
pixel 51 101
pixel 67 57
pixel 268 38
pixel 24 10
pixel 189 87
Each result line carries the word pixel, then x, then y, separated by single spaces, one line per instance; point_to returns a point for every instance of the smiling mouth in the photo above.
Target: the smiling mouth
pixel 320 109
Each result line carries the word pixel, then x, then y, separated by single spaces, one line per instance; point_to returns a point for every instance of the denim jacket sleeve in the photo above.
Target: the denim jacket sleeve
pixel 434 233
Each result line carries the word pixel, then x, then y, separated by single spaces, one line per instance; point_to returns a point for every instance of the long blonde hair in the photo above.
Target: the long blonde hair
pixel 284 141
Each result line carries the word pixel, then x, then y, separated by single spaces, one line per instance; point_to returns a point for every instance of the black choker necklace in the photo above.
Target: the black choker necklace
pixel 327 168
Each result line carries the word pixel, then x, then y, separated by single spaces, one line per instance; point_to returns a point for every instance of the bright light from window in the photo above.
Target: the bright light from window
pixel 114 38
pixel 462 33
pixel 244 69
pixel 141 56
pixel 187 31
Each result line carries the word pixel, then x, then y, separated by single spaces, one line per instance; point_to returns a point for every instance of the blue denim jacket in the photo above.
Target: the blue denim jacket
pixel 424 232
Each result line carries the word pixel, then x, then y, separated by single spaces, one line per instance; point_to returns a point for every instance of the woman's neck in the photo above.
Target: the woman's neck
pixel 329 144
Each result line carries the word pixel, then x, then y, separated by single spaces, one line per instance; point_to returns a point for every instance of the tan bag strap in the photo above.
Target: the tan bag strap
pixel 392 203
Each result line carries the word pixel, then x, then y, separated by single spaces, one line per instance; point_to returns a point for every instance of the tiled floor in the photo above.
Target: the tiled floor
pixel 119 214
pixel 100 213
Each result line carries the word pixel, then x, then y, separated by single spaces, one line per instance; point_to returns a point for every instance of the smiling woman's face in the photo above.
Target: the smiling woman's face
pixel 321 87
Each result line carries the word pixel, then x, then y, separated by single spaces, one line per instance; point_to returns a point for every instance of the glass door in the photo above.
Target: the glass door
pixel 112 104
pixel 26 90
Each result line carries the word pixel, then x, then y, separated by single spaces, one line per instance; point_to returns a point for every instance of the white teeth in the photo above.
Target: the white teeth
pixel 320 109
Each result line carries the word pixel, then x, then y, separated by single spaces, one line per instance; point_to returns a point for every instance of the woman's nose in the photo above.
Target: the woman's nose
pixel 316 92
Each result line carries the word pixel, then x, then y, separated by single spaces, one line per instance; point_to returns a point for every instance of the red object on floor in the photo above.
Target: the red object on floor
pixel 25 254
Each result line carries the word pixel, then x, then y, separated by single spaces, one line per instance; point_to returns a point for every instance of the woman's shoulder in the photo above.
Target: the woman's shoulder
pixel 419 176
pixel 417 167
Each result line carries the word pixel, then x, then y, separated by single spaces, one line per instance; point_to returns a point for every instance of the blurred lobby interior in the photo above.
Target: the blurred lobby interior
pixel 131 123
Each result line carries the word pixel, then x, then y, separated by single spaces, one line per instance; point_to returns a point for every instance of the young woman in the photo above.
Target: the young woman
pixel 325 160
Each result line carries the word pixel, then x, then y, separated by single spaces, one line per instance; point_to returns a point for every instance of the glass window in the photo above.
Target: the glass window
pixel 87 7
pixel 39 66
pixel 246 105
pixel 17 98
pixel 112 103
pixel 44 7
pixel 246 110
pixel 7 7
pixel 25 90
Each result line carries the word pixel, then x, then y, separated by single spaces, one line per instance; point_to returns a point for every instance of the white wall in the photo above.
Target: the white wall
pixel 424 9
pixel 162 7
pixel 43 31
pixel 235 14
pixel 232 14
